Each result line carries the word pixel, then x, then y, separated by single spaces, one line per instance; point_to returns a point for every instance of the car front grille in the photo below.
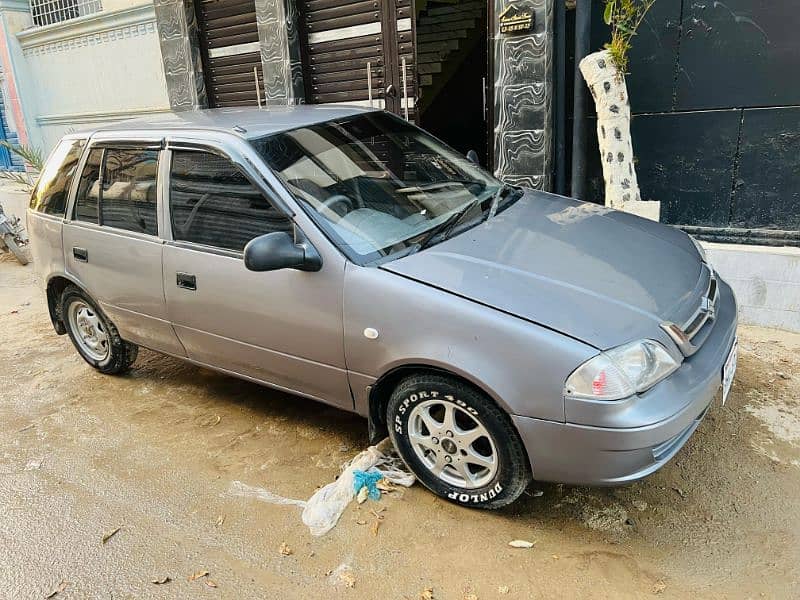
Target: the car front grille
pixel 690 336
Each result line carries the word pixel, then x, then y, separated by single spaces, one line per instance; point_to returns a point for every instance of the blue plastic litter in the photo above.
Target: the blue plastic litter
pixel 369 480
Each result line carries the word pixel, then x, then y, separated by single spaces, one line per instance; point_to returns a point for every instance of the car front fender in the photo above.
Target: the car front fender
pixel 393 323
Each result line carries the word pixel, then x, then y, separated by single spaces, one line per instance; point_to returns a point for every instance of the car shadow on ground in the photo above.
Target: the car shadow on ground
pixel 677 499
pixel 206 386
pixel 204 389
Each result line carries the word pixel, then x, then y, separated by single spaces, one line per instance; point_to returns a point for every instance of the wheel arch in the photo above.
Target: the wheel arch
pixel 381 390
pixel 56 285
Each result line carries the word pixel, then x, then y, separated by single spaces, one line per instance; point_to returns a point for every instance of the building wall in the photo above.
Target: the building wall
pixel 14 17
pixel 766 282
pixel 8 133
pixel 97 68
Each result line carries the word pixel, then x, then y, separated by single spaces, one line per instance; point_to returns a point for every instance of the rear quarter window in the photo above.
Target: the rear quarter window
pixel 87 197
pixel 51 191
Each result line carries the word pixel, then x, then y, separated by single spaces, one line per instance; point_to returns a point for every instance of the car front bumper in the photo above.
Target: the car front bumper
pixel 634 444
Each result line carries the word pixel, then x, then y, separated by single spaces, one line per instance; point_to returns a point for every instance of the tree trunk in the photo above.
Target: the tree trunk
pixel 610 95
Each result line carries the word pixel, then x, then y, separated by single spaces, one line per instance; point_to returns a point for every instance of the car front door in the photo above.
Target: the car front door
pixel 111 242
pixel 283 327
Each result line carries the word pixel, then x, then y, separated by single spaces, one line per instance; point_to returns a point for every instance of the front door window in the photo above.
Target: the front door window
pixel 214 204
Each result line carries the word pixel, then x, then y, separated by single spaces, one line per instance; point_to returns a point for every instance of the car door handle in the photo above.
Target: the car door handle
pixel 81 254
pixel 186 281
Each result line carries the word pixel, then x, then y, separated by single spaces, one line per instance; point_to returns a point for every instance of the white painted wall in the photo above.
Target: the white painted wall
pixel 766 281
pixel 112 5
pixel 98 68
pixel 14 17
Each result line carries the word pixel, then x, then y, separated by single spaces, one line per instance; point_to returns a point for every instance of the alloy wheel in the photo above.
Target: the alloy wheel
pixel 89 331
pixel 452 444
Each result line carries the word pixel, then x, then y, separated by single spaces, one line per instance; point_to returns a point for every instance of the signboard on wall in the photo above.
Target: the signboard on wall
pixel 513 20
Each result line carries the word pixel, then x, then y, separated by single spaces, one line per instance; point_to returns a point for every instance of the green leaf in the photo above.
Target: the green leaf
pixel 31 155
pixel 609 11
pixel 625 29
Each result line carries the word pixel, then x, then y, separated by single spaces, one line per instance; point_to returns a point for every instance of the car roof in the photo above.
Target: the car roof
pixel 245 122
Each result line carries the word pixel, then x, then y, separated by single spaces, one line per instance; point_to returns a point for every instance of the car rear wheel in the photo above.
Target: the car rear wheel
pixel 457 441
pixel 94 336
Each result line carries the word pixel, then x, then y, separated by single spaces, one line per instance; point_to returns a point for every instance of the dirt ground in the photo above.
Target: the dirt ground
pixel 155 453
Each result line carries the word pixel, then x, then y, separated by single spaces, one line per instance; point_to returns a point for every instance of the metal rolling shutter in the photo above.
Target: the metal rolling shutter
pixel 406 56
pixel 341 38
pixel 229 42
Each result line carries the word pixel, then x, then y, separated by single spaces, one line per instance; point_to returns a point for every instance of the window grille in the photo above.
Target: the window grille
pixel 47 12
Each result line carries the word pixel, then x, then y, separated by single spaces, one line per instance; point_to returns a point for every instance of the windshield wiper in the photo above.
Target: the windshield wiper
pixel 447 224
pixel 501 191
pixel 453 220
pixel 437 186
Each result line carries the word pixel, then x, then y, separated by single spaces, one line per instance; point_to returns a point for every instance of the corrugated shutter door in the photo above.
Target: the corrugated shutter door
pixel 407 56
pixel 229 39
pixel 341 38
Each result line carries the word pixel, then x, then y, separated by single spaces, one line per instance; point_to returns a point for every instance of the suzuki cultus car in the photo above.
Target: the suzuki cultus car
pixel 497 334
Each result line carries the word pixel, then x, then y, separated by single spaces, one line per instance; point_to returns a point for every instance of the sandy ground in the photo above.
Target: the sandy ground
pixel 155 453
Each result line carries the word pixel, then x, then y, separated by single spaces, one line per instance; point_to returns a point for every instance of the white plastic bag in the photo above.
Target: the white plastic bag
pixel 321 512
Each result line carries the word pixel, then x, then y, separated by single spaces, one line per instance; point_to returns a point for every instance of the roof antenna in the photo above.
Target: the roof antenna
pixel 258 87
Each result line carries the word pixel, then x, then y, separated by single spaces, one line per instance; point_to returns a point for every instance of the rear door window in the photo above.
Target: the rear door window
pixel 88 195
pixel 128 194
pixel 214 204
pixel 51 191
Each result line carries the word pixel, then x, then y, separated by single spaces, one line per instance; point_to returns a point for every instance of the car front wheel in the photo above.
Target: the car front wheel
pixel 457 441
pixel 94 336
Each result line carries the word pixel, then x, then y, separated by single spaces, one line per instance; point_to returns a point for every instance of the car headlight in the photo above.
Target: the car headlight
pixel 700 250
pixel 621 372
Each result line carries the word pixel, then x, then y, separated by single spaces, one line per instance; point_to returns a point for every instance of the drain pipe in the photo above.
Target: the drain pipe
pixel 583 20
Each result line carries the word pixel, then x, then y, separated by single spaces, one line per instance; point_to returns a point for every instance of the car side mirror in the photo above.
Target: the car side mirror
pixel 472 157
pixel 278 250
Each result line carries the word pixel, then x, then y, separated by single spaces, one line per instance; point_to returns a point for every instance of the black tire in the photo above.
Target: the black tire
pixel 121 354
pixel 20 254
pixel 512 474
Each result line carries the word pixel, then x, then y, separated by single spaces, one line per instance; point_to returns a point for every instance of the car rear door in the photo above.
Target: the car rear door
pixel 284 327
pixel 111 240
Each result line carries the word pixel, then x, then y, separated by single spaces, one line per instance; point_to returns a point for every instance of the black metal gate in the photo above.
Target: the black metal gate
pixel 230 52
pixel 360 53
pixel 716 122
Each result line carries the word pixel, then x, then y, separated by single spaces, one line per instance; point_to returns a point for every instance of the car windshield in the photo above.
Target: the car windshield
pixel 375 183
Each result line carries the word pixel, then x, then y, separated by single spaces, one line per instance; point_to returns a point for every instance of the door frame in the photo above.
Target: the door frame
pixel 202 43
pixel 491 20
pixel 391 56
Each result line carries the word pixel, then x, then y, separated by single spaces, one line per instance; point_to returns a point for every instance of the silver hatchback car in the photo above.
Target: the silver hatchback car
pixel 497 334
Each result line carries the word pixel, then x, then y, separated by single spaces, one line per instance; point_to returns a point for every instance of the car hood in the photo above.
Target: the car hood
pixel 600 276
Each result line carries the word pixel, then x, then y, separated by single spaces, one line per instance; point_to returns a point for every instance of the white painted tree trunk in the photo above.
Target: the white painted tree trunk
pixel 610 95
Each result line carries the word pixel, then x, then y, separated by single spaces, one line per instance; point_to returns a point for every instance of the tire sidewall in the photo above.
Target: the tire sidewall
pixel 69 298
pixel 15 249
pixel 399 409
